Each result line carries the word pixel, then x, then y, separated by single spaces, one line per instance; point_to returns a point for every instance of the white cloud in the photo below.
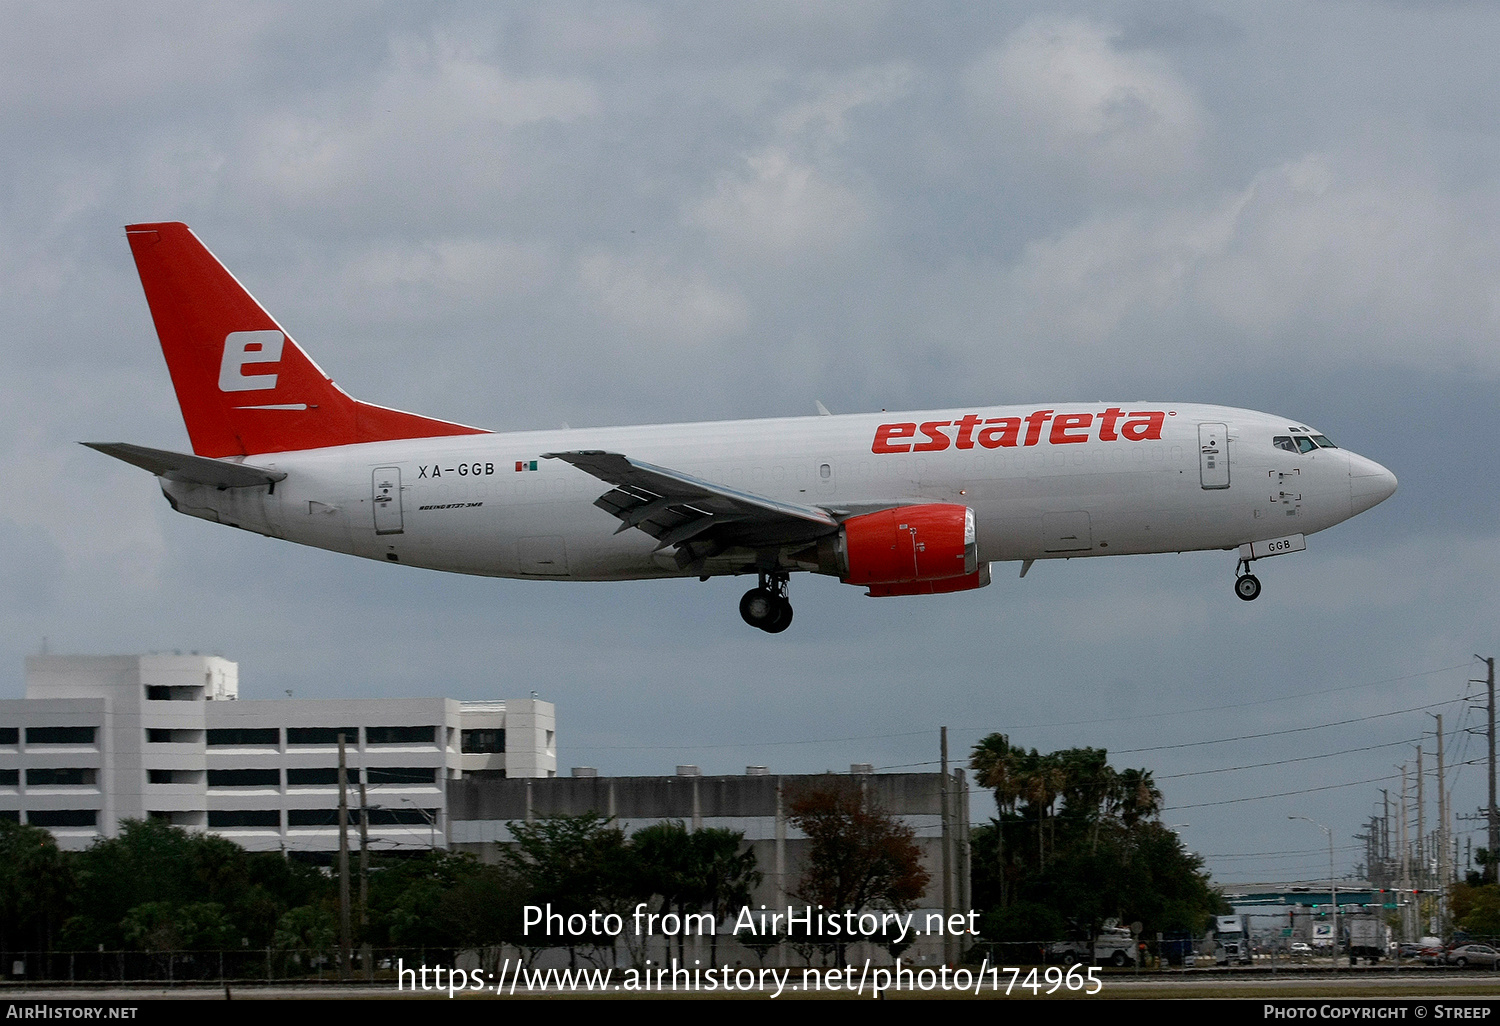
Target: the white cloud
pixel 1308 263
pixel 468 272
pixel 1059 89
pixel 780 205
pixel 793 196
pixel 657 304
pixel 439 114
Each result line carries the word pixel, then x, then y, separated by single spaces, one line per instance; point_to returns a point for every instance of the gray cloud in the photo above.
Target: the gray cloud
pixel 644 212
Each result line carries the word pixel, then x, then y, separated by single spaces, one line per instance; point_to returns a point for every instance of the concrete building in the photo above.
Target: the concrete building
pixel 755 804
pixel 101 739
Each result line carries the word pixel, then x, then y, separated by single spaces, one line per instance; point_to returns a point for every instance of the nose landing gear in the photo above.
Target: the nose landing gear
pixel 767 606
pixel 1246 584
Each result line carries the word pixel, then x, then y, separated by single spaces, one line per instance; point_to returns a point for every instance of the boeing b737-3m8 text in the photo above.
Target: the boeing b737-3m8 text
pixel 902 504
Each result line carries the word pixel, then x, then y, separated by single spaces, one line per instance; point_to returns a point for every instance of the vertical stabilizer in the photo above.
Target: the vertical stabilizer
pixel 244 386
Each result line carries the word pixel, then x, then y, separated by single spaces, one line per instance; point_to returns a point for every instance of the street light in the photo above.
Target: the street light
pixel 1333 891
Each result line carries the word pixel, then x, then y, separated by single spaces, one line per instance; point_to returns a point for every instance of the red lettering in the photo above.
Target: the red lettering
pixel 885 434
pixel 966 431
pixel 1007 434
pixel 939 441
pixel 1140 430
pixel 1107 426
pixel 1065 422
pixel 1034 424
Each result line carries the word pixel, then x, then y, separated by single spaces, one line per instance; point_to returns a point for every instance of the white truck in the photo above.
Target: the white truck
pixel 1232 940
pixel 1368 938
pixel 1113 946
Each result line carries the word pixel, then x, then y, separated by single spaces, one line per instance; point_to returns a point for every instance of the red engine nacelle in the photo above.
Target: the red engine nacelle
pixel 909 545
pixel 978 579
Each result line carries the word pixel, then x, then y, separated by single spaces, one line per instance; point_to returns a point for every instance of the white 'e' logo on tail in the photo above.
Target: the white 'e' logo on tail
pixel 242 348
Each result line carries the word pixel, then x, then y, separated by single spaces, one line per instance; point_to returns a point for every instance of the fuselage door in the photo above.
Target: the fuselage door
pixel 385 485
pixel 1213 455
pixel 1067 532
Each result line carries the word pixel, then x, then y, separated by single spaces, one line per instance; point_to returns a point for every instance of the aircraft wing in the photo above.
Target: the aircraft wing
pixel 700 518
pixel 177 466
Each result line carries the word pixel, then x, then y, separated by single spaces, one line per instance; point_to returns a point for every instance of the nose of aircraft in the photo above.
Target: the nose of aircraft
pixel 1369 483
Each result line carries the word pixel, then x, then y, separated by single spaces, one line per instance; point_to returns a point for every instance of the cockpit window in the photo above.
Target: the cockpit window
pixel 1302 440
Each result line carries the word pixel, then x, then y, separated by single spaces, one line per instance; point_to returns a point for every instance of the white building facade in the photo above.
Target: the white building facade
pixel 102 739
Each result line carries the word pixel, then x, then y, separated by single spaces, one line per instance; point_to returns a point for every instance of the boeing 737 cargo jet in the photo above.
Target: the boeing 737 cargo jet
pixel 900 504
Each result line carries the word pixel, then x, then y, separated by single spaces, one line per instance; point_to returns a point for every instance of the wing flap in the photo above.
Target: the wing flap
pixel 698 517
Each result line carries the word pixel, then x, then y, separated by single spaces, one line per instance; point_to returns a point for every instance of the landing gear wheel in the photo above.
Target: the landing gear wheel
pixel 783 618
pixel 767 606
pixel 759 607
pixel 1247 587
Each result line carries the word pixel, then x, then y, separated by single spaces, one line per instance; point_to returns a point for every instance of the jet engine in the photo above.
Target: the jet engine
pixel 909 550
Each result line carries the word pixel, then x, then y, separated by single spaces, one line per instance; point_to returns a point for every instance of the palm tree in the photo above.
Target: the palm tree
pixel 995 766
pixel 1138 796
pixel 725 875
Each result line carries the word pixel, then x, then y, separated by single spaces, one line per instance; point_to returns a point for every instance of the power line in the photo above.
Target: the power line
pixel 1284 794
pixel 1289 730
pixel 1281 794
pixel 1284 762
pixel 1300 853
pixel 1300 696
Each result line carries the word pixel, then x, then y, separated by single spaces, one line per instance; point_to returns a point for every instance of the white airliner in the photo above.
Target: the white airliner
pixel 902 504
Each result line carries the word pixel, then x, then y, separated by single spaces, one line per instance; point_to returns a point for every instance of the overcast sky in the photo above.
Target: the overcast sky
pixel 524 215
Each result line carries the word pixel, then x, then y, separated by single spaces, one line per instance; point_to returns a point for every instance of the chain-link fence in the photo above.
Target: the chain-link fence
pixel 274 965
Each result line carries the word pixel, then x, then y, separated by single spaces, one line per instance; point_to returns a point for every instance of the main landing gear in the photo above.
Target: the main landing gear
pixel 1246 584
pixel 767 607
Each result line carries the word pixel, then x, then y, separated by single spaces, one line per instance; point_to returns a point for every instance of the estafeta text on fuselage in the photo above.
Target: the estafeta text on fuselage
pixel 1113 425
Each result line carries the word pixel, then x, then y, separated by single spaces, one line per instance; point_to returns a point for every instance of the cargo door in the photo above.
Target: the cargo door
pixel 1067 532
pixel 545 556
pixel 1213 455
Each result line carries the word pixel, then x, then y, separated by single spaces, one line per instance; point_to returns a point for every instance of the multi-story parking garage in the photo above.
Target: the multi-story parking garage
pixel 101 739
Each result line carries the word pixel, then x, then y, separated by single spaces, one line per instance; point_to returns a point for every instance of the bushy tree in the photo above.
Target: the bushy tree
pixel 859 856
pixel 1075 842
pixel 36 883
pixel 575 864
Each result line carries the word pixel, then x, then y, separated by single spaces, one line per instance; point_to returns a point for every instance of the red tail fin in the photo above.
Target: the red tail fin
pixel 244 386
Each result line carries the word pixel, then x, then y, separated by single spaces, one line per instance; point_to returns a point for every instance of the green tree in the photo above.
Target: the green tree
pixel 726 874
pixel 1476 909
pixel 311 928
pixel 997 766
pixel 1099 851
pixel 163 926
pixel 36 883
pixel 665 868
pixel 575 864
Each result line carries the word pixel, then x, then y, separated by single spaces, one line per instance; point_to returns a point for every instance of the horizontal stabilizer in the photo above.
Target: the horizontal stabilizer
pixel 176 466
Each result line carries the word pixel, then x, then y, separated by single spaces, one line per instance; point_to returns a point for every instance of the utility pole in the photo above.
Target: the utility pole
pixel 1385 835
pixel 1494 817
pixel 948 957
pixel 344 938
pixel 1406 910
pixel 1442 831
pixel 364 876
pixel 1421 827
